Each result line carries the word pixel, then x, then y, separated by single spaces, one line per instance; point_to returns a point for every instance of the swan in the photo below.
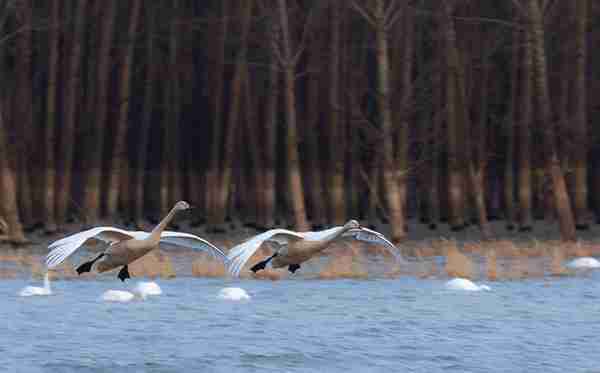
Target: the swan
pixel 126 246
pixel 233 294
pixel 465 284
pixel 584 263
pixel 141 290
pixel 294 248
pixel 29 291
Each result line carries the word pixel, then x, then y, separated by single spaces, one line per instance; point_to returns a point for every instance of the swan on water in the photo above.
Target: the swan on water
pixel 30 291
pixel 127 246
pixel 235 294
pixel 465 284
pixel 294 248
pixel 141 291
pixel 584 263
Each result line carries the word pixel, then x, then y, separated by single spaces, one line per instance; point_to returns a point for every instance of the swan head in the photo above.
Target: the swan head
pixel 182 205
pixel 352 224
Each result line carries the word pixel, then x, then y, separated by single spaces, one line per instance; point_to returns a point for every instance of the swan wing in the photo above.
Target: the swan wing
pixel 65 247
pixel 193 242
pixel 239 254
pixel 374 237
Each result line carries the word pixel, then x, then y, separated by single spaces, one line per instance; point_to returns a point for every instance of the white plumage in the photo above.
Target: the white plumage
pixel 465 285
pixel 30 291
pixel 65 247
pixel 240 254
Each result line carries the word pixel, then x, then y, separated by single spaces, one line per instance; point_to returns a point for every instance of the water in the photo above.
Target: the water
pixel 302 325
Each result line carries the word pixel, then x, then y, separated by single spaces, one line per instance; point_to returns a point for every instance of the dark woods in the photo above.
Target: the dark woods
pixel 299 112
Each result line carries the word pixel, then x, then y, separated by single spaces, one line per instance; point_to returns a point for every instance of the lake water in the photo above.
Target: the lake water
pixel 303 325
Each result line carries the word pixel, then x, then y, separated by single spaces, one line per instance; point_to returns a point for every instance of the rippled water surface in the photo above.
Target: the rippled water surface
pixel 405 324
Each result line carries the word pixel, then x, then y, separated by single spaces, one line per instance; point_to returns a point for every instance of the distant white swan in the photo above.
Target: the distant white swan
pixel 464 284
pixel 294 248
pixel 147 288
pixel 141 291
pixel 235 294
pixel 126 246
pixel 30 291
pixel 584 263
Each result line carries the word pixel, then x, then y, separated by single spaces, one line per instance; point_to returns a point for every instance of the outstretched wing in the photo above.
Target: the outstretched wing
pixel 374 237
pixel 239 254
pixel 193 242
pixel 65 247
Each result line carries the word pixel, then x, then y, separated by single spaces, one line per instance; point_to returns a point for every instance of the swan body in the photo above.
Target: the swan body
pixel 118 296
pixel 294 248
pixel 235 294
pixel 126 246
pixel 584 263
pixel 30 291
pixel 465 285
pixel 147 288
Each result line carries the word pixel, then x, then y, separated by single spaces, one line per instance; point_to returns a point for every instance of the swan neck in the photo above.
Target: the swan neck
pixel 46 281
pixel 157 231
pixel 333 233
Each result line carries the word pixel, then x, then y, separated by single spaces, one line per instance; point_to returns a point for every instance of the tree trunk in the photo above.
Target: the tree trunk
pixel 455 184
pixel 509 133
pixel 96 150
pixel 524 135
pixel 213 174
pixel 23 111
pixel 234 112
pixel 71 101
pixel 147 115
pixel 8 200
pixel 391 174
pixel 271 121
pixel 551 160
pixel 337 131
pixel 293 160
pixel 120 159
pixel 50 129
pixel 581 144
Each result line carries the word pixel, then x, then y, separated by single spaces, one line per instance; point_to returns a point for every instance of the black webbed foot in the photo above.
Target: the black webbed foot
pixel 262 265
pixel 124 274
pixel 87 266
pixel 293 267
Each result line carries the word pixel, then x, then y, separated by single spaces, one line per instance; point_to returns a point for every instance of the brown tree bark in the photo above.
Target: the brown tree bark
pixel 120 161
pixel 51 112
pixel 8 200
pixel 391 173
pixel 254 204
pixel 551 160
pixel 234 116
pixel 509 133
pixel 293 160
pixel 92 202
pixel 524 135
pixel 147 115
pixel 23 111
pixel 455 183
pixel 337 131
pixel 213 173
pixel 580 130
pixel 70 115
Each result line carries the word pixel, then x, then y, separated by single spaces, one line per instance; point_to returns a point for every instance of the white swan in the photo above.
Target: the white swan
pixel 465 284
pixel 235 294
pixel 127 246
pixel 30 291
pixel 141 291
pixel 294 248
pixel 584 263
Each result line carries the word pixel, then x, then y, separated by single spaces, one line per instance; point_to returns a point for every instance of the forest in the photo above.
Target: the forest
pixel 299 113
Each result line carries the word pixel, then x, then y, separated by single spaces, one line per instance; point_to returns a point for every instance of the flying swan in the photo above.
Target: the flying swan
pixel 127 246
pixel 294 248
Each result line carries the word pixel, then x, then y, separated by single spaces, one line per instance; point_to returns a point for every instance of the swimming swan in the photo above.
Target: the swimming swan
pixel 30 291
pixel 584 263
pixel 294 248
pixel 465 284
pixel 126 246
